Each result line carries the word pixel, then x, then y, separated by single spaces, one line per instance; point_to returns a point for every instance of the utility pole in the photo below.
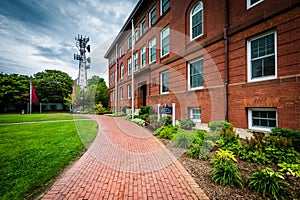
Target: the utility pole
pixel 84 63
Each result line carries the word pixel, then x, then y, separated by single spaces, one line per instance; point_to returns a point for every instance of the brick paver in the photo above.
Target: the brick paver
pixel 125 162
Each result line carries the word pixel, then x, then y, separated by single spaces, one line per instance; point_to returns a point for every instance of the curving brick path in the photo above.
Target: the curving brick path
pixel 125 162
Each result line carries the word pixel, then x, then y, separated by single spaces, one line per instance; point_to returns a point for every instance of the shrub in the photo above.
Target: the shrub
pixel 124 108
pixel 166 132
pixel 187 124
pixel 267 181
pixel 138 121
pixel 294 135
pixel 207 146
pixel 226 173
pixel 199 136
pixel 100 110
pixel 194 151
pixel 146 110
pixel 218 125
pixel 116 114
pixel 166 120
pixel 223 156
pixel 290 169
pixel 229 139
pixel 184 139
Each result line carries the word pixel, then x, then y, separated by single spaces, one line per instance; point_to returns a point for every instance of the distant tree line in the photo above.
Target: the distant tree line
pixel 51 86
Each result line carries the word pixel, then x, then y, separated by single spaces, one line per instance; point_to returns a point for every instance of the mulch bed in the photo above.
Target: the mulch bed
pixel 200 170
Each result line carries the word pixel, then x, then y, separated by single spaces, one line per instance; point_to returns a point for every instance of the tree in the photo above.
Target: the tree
pixel 101 94
pixel 52 86
pixel 94 80
pixel 14 89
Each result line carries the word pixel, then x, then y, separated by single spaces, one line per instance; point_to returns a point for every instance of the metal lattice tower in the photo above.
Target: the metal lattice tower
pixel 84 62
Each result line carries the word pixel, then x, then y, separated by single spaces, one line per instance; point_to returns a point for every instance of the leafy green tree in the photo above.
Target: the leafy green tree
pixel 94 80
pixel 14 89
pixel 101 93
pixel 52 86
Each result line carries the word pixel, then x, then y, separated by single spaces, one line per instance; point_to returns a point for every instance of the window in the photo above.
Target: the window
pixel 143 56
pixel 129 66
pixel 195 114
pixel 122 71
pixel 112 96
pixel 251 3
pixel 143 27
pixel 152 16
pixel 262 57
pixel 136 35
pixel 112 60
pixel 112 78
pixel 135 59
pixel 195 74
pixel 196 21
pixel 164 82
pixel 262 118
pixel 121 93
pixel 152 49
pixel 164 6
pixel 129 42
pixel 129 91
pixel 122 50
pixel 165 41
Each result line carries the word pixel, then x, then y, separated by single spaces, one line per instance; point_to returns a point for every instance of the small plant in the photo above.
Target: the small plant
pixel 199 136
pixel 207 146
pixel 187 124
pixel 146 110
pixel 293 135
pixel 267 181
pixel 100 110
pixel 116 114
pixel 290 169
pixel 194 151
pixel 218 125
pixel 138 121
pixel 166 132
pixel 166 120
pixel 184 139
pixel 224 156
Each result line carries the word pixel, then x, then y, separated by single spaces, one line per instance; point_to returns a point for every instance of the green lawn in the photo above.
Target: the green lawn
pixel 9 118
pixel 31 155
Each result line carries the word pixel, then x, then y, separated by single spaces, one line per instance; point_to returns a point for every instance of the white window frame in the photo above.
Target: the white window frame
pixel 151 45
pixel 151 11
pixel 249 65
pixel 191 110
pixel 129 42
pixel 143 29
pixel 122 71
pixel 121 93
pixel 136 35
pixel 161 83
pixel 249 3
pixel 189 74
pixel 260 128
pixel 143 52
pixel 122 51
pixel 129 66
pixel 129 91
pixel 191 21
pixel 135 61
pixel 166 29
pixel 161 7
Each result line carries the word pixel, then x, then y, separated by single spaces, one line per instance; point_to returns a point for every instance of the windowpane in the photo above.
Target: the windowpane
pixel 165 82
pixel 165 5
pixel 264 118
pixel 269 66
pixel 272 123
pixel 272 114
pixel 165 41
pixel 152 16
pixel 196 73
pixel 196 20
pixel 256 68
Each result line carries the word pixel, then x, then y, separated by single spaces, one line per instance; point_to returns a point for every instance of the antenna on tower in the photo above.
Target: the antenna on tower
pixel 84 62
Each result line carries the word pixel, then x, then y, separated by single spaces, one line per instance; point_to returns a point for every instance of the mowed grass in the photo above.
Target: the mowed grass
pixel 31 155
pixel 14 118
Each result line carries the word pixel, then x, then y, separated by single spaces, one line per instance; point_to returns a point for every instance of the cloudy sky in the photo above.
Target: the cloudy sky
pixel 40 34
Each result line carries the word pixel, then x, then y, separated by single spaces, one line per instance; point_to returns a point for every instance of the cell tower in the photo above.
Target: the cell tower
pixel 84 63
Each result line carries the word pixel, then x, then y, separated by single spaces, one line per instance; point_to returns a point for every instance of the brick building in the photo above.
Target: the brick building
pixel 235 60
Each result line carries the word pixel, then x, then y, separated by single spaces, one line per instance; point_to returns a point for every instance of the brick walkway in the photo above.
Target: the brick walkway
pixel 125 162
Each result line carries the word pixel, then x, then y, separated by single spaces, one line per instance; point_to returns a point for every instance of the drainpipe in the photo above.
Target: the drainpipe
pixel 226 56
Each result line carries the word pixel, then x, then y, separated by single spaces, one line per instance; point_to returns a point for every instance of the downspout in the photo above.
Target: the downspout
pixel 226 56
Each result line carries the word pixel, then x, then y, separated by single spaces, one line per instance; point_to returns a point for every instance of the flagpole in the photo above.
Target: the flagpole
pixel 116 81
pixel 132 69
pixel 30 96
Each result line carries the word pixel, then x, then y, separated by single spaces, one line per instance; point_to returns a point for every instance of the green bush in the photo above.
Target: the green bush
pixel 166 120
pixel 226 173
pixel 253 155
pixel 124 108
pixel 199 136
pixel 166 132
pixel 116 114
pixel 194 151
pixel 290 169
pixel 218 125
pixel 100 110
pixel 187 124
pixel 184 139
pixel 267 181
pixel 207 146
pixel 294 135
pixel 223 156
pixel 138 121
pixel 146 110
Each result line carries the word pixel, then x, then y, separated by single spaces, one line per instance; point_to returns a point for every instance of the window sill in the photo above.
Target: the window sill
pixel 164 56
pixel 164 93
pixel 197 88
pixel 261 79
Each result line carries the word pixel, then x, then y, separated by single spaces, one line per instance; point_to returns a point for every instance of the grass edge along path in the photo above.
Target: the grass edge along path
pixel 31 155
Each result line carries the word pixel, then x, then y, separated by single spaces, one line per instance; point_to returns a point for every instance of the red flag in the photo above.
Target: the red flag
pixel 34 96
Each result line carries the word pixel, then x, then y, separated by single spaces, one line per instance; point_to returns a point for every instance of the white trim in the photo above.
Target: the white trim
pixel 150 46
pixel 249 66
pixel 189 75
pixel 191 24
pixel 141 27
pixel 167 28
pixel 191 114
pixel 249 4
pixel 160 10
pixel 161 85
pixel 122 71
pixel 143 50
pixel 121 93
pixel 129 62
pixel 128 91
pixel 135 62
pixel 129 43
pixel 250 125
pixel 149 15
